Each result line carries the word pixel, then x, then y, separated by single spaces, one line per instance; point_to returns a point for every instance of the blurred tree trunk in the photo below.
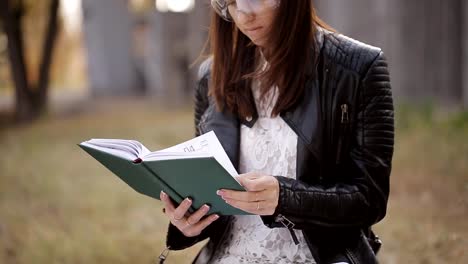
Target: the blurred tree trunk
pixel 108 27
pixel 198 25
pixel 31 99
pixel 464 26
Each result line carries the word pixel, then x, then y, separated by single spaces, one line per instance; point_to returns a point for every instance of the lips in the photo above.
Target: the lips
pixel 252 29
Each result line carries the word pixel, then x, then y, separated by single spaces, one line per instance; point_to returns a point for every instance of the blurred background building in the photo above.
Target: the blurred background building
pixel 426 42
pixel 149 50
pixel 145 47
pixel 146 51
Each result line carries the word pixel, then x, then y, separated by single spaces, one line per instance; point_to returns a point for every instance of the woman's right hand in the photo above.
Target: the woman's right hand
pixel 189 224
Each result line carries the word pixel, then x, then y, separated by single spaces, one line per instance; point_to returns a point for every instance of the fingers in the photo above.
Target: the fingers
pixel 205 222
pixel 249 175
pixel 248 181
pixel 259 208
pixel 254 181
pixel 201 212
pixel 167 202
pixel 248 206
pixel 182 209
pixel 241 195
pixel 261 197
pixel 264 195
pixel 189 225
pixel 196 229
pixel 175 214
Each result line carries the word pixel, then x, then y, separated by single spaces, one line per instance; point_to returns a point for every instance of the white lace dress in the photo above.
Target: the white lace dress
pixel 268 147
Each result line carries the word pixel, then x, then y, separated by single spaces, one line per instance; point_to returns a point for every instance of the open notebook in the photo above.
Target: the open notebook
pixel 196 168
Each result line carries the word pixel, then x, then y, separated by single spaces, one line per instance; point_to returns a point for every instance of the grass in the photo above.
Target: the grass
pixel 57 205
pixel 428 206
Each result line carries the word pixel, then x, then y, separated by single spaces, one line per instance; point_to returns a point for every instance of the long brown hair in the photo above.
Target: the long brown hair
pixel 234 59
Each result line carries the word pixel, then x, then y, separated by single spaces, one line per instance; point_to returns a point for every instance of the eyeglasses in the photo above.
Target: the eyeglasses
pixel 227 8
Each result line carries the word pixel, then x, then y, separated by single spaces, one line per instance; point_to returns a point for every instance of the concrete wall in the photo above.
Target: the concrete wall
pixel 166 56
pixel 174 42
pixel 198 26
pixel 423 40
pixel 108 39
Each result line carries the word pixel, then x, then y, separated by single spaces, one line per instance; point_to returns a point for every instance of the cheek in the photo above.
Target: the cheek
pixel 266 20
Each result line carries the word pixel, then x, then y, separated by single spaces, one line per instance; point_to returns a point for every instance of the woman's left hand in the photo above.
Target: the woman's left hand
pixel 261 197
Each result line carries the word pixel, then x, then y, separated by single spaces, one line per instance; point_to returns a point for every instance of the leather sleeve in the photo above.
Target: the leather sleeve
pixel 361 200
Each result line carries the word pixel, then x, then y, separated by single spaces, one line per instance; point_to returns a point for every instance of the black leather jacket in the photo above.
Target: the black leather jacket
pixel 345 131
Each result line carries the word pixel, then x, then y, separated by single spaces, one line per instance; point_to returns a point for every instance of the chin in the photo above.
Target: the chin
pixel 258 42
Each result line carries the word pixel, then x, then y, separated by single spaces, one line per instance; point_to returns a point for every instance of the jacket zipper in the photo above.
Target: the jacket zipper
pixel 289 225
pixel 164 254
pixel 324 116
pixel 343 128
pixel 351 257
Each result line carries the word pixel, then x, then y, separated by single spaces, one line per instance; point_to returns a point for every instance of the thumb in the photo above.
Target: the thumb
pixel 248 180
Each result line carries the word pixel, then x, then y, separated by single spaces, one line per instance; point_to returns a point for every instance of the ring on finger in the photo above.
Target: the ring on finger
pixel 177 219
pixel 188 222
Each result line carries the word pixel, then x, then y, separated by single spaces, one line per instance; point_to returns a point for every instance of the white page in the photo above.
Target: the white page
pixel 116 152
pixel 206 143
pixel 174 156
pixel 136 146
pixel 160 155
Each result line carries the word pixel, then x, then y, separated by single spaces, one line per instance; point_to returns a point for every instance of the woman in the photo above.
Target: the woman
pixel 306 114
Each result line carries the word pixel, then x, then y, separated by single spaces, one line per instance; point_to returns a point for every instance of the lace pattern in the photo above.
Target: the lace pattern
pixel 268 147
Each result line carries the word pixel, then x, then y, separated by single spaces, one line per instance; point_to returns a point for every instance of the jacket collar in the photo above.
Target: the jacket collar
pixel 312 71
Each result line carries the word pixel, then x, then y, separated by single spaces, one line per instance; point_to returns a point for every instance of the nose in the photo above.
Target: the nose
pixel 244 11
pixel 243 6
pixel 244 17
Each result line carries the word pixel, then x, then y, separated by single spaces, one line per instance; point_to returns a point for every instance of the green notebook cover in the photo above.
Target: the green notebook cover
pixel 197 178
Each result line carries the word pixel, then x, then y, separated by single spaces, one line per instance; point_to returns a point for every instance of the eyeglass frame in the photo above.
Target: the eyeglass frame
pixel 221 7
